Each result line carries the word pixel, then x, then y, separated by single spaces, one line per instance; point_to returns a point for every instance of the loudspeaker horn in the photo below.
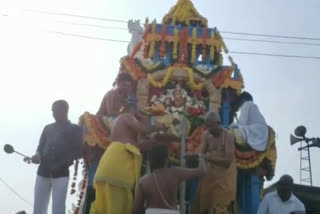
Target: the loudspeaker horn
pixel 294 139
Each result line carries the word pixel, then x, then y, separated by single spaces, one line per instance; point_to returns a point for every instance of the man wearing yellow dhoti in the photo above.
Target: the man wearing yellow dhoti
pixel 119 167
pixel 217 190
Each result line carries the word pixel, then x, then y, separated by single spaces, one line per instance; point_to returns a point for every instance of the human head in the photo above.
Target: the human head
pixel 284 187
pixel 124 82
pixel 158 156
pixel 60 110
pixel 244 97
pixel 213 123
pixel 131 108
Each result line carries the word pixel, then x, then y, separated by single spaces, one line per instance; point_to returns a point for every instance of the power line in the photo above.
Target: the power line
pixel 12 190
pixel 272 41
pixel 88 37
pixel 78 16
pixel 91 25
pixel 276 55
pixel 226 32
pixel 234 52
pixel 270 35
pixel 226 38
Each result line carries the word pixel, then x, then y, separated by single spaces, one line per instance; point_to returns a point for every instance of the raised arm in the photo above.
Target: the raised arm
pixel 227 159
pixel 142 128
pixel 187 174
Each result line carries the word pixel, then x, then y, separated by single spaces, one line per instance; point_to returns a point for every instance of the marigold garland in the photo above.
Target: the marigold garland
pixel 97 134
pixel 194 45
pixel 183 46
pixel 75 174
pixel 212 47
pixel 220 60
pixel 165 80
pixel 132 69
pixel 175 43
pixel 163 41
pixel 153 40
pixel 204 45
pixel 82 193
pixel 252 159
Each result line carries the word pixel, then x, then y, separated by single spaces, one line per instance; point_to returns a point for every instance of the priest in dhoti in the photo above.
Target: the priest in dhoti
pixel 251 133
pixel 217 190
pixel 110 107
pixel 119 167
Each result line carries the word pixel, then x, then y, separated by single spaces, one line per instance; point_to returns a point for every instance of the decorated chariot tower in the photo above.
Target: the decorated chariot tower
pixel 182 71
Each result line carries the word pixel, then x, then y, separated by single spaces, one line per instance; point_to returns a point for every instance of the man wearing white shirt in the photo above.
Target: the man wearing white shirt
pixel 251 124
pixel 282 201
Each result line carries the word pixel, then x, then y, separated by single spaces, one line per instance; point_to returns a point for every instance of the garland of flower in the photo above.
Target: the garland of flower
pixel 175 43
pixel 220 60
pixel 165 80
pixel 157 67
pixel 82 192
pixel 252 159
pixel 183 46
pixel 147 44
pixel 193 42
pixel 204 45
pixel 219 79
pixel 163 41
pixel 132 69
pixel 136 49
pixel 210 73
pixel 212 47
pixel 153 40
pixel 75 174
pixel 99 137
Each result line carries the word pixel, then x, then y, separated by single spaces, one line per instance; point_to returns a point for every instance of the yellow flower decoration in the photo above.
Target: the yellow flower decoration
pixel 194 42
pixel 153 40
pixel 165 80
pixel 175 43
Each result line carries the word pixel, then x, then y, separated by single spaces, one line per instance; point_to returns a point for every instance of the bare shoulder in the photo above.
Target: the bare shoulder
pixel 110 94
pixel 125 116
pixel 143 180
pixel 229 134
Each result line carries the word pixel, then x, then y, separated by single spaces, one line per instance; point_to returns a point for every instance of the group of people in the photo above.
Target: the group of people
pixel 114 183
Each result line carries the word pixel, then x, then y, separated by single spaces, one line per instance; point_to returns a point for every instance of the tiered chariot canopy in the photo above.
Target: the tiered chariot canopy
pixel 183 40
pixel 179 66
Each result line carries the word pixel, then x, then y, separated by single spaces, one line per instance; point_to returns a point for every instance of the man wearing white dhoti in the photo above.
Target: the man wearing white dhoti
pixel 251 133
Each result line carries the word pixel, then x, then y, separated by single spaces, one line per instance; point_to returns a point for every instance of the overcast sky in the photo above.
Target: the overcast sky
pixel 38 66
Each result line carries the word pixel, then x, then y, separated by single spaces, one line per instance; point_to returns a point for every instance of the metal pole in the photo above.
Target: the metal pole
pixel 309 158
pixel 183 164
pixel 301 163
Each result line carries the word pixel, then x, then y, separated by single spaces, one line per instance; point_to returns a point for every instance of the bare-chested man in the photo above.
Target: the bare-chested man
pixel 217 190
pixel 159 188
pixel 110 107
pixel 119 168
pixel 116 98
